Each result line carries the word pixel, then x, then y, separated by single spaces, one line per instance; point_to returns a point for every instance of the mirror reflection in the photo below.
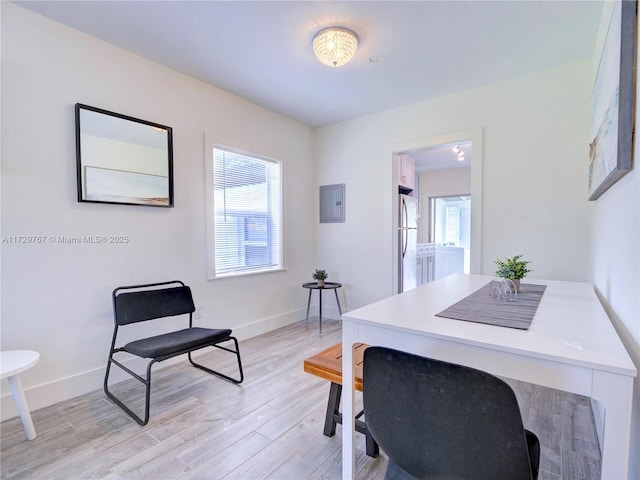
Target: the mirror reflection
pixel 122 159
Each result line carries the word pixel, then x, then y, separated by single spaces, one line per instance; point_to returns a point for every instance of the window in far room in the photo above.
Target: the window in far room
pixel 451 223
pixel 244 213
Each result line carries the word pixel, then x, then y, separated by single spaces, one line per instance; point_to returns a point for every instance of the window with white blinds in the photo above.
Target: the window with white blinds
pixel 247 218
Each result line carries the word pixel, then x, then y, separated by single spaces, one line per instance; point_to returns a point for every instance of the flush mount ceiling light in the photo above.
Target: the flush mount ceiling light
pixel 335 46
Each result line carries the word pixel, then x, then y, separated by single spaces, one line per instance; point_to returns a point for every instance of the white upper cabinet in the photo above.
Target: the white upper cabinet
pixel 406 172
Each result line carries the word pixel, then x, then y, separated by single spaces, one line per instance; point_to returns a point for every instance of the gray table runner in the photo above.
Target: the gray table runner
pixel 480 307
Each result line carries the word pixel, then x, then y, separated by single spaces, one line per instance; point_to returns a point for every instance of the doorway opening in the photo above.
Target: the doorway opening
pixel 442 184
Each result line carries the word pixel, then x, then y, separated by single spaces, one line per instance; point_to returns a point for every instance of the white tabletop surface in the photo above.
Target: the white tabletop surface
pixel 585 337
pixel 12 362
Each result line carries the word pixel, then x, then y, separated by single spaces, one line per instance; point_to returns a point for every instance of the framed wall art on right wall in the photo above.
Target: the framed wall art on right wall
pixel 612 102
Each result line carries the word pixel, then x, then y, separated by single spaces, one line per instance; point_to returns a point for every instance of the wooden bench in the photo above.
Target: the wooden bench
pixel 328 365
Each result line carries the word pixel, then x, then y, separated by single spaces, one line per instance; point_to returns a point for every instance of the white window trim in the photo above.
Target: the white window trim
pixel 210 213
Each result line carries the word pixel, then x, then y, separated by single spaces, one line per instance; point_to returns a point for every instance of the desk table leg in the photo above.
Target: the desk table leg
pixel 614 392
pixel 23 409
pixel 349 337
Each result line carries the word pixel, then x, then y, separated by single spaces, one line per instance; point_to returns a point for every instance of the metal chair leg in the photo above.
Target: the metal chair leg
pixel 146 382
pixel 218 374
pixel 371 446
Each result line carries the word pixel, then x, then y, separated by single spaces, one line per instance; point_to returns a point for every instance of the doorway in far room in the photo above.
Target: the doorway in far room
pixel 450 230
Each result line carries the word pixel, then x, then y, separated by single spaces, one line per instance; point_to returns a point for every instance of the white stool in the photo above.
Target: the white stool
pixel 12 363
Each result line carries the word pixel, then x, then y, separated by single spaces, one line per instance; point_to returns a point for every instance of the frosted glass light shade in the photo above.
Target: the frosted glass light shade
pixel 335 46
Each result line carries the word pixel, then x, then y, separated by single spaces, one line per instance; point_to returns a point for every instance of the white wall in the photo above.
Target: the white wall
pixel 56 297
pixel 442 183
pixel 534 200
pixel 614 257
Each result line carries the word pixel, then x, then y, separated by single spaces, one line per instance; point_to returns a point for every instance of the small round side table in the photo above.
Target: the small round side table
pixel 327 286
pixel 12 364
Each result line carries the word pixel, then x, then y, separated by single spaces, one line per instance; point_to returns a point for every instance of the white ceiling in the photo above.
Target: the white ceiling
pixel 441 157
pixel 261 50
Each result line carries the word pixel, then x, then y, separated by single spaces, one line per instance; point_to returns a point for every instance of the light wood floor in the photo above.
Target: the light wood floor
pixel 269 427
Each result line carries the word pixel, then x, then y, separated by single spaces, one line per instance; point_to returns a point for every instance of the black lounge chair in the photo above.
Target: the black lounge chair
pixel 140 303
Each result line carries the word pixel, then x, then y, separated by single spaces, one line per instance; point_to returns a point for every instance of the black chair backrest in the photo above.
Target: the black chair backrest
pixel 440 420
pixel 139 306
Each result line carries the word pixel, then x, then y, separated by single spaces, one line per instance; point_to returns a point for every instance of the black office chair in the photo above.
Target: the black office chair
pixel 438 420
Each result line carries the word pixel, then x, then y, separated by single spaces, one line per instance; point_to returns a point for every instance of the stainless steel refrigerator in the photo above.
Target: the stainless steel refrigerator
pixel 407 243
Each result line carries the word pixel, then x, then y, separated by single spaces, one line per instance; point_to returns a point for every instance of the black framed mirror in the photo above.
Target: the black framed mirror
pixel 123 160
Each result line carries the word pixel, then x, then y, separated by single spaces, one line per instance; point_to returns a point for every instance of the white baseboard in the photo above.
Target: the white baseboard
pixel 47 394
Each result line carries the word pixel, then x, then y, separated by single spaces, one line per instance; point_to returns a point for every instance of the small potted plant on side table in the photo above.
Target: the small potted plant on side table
pixel 320 276
pixel 513 269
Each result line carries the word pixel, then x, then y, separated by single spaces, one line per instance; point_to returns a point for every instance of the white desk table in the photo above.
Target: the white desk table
pixel 570 345
pixel 12 364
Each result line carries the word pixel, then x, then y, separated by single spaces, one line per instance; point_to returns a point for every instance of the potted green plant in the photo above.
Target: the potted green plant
pixel 320 276
pixel 513 268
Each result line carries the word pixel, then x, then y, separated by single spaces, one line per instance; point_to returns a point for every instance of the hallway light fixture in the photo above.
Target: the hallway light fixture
pixel 335 46
pixel 457 149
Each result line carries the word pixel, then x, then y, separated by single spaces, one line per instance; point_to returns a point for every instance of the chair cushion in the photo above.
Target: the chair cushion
pixel 178 342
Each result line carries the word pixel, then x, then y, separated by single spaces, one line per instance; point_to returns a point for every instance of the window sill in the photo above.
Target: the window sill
pixel 245 274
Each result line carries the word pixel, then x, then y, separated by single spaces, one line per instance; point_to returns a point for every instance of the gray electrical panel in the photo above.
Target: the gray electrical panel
pixel 332 199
